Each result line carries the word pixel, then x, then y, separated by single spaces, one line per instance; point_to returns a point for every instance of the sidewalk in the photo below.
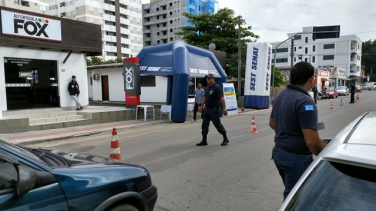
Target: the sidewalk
pixel 70 132
pixel 87 130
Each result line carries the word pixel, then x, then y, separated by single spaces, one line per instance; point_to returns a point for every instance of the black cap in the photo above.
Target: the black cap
pixel 210 75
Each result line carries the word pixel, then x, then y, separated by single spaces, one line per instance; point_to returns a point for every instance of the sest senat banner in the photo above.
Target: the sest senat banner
pixel 257 75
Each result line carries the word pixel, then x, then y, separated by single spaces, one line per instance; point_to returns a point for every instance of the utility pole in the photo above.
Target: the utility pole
pixel 292 52
pixel 239 57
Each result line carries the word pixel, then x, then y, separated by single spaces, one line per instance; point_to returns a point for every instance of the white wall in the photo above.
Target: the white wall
pixel 155 94
pixel 115 84
pixel 75 65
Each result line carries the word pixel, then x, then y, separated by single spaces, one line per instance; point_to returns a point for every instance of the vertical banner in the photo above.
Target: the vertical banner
pixel 257 75
pixel 230 98
pixel 132 80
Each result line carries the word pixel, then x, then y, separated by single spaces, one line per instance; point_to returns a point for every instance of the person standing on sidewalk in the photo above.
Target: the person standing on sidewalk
pixel 212 99
pixel 295 121
pixel 74 91
pixel 199 93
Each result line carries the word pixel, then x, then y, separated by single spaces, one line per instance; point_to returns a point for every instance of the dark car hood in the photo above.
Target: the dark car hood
pixel 74 158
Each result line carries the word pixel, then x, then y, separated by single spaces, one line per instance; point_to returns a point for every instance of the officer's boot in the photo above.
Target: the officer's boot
pixel 204 141
pixel 225 140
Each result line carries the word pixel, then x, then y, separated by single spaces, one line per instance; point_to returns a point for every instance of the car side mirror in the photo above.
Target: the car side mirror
pixel 26 179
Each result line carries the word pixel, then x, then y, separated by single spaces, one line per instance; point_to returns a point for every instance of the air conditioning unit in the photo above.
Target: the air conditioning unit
pixel 96 76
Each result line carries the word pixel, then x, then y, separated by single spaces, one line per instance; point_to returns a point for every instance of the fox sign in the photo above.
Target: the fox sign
pixel 30 26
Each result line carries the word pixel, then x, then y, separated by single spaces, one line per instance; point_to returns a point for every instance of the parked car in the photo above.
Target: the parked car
pixel 44 179
pixel 358 88
pixel 343 90
pixel 370 86
pixel 342 176
pixel 331 92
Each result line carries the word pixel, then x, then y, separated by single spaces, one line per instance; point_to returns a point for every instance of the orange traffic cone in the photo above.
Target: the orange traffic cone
pixel 331 106
pixel 115 146
pixel 357 97
pixel 341 103
pixel 253 126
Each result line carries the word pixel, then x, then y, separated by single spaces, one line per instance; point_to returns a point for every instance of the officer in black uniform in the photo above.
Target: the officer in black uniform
pixel 352 92
pixel 213 99
pixel 295 121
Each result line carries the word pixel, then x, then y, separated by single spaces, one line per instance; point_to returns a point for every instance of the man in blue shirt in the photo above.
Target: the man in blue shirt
pixel 294 119
pixel 199 93
pixel 212 100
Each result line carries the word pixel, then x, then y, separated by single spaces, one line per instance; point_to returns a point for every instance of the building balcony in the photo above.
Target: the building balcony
pixel 110 48
pixel 125 31
pixel 125 41
pixel 108 7
pixel 353 61
pixel 126 12
pixel 109 28
pixel 126 51
pixel 109 38
pixel 125 21
pixel 109 18
pixel 353 50
pixel 156 13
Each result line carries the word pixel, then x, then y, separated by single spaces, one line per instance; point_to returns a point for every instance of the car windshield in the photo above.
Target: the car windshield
pixel 341 88
pixel 337 186
pixel 11 147
pixel 330 90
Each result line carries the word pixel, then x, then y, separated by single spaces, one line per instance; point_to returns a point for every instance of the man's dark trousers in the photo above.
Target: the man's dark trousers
pixel 195 111
pixel 290 166
pixel 212 114
pixel 352 97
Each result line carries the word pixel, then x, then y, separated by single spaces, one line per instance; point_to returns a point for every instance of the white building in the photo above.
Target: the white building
pixel 120 20
pixel 344 52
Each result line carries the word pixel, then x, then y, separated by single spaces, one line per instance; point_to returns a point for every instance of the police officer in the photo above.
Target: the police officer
pixel 212 100
pixel 294 119
pixel 352 92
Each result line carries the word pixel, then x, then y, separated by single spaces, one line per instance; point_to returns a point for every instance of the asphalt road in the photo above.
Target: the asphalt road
pixel 240 176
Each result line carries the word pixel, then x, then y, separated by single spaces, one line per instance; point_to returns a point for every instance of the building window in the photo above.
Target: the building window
pixel 300 47
pixel 157 9
pixel 281 60
pixel 158 25
pixel 294 59
pixel 294 48
pixel 306 40
pixel 282 50
pixel 170 13
pixel 306 50
pixel 171 30
pixel 148 80
pixel 171 21
pixel 329 46
pixel 298 37
pixel 158 33
pixel 170 4
pixel 313 48
pixel 313 59
pixel 328 57
pixel 171 39
pixel 306 60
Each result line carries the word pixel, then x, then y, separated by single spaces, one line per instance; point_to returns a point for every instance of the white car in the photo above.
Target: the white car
pixel 343 175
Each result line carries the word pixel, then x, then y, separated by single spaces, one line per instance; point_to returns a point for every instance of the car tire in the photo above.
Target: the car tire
pixel 123 207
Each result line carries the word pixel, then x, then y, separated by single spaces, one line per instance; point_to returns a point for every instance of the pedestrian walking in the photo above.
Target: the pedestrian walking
pixel 212 100
pixel 74 92
pixel 352 91
pixel 199 93
pixel 314 90
pixel 294 119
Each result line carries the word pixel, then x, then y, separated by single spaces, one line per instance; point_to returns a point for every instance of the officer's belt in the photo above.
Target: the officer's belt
pixel 292 151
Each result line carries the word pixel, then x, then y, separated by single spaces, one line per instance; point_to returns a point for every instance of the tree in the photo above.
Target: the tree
pixel 221 29
pixel 98 61
pixel 278 79
pixel 369 58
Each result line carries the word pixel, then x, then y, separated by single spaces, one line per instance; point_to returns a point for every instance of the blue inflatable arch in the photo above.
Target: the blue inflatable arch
pixel 180 61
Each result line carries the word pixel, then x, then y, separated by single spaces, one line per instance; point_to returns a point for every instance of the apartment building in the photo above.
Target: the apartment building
pixel 163 18
pixel 120 20
pixel 343 53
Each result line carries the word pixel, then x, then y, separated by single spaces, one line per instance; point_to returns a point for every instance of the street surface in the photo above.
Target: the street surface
pixel 240 176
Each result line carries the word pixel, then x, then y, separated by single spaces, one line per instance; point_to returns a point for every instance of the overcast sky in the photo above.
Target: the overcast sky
pixel 273 19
